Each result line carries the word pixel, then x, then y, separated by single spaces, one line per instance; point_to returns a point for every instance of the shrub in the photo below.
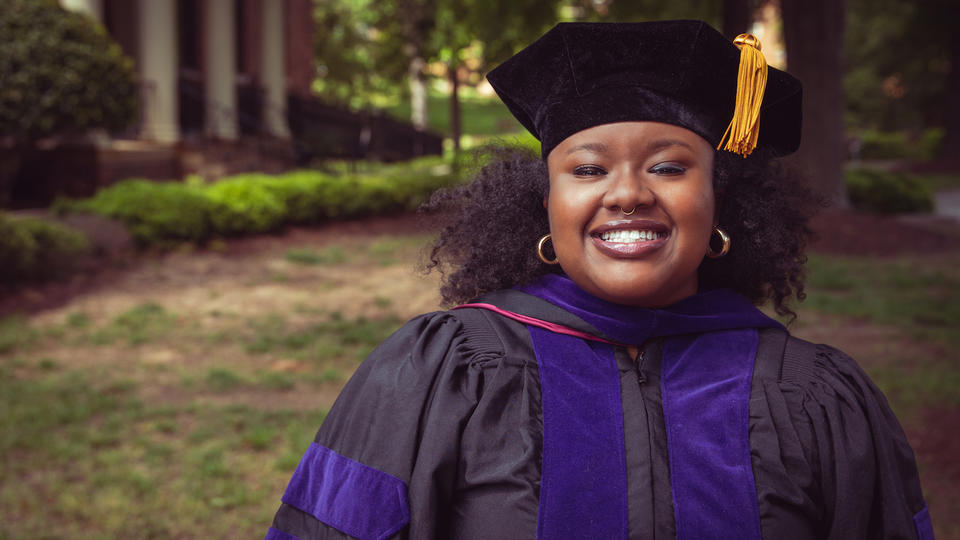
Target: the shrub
pixel 898 145
pixel 244 204
pixel 307 195
pixel 886 192
pixel 154 212
pixel 32 249
pixel 158 213
pixel 61 72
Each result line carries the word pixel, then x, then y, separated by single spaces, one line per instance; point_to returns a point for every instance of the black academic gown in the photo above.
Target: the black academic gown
pixel 450 406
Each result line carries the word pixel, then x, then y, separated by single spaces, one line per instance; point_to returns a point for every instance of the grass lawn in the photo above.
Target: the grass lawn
pixel 480 115
pixel 170 408
pixel 177 401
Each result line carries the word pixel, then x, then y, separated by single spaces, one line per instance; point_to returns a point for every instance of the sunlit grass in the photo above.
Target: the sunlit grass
pixel 83 458
pixel 135 326
pixel 329 255
pixel 916 295
pixel 479 115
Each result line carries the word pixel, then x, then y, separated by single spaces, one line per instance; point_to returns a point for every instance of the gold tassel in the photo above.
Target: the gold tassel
pixel 744 128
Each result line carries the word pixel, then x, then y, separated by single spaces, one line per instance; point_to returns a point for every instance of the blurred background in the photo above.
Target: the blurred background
pixel 207 221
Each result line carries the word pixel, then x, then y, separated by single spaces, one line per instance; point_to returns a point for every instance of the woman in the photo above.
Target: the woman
pixel 606 374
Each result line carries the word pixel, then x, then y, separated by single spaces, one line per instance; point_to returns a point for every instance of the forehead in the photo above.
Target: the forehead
pixel 631 137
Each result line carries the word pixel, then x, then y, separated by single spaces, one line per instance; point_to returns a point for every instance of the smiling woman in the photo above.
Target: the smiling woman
pixel 648 257
pixel 606 373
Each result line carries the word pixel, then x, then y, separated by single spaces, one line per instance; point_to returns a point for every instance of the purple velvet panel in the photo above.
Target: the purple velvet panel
pixel 705 383
pixel 274 534
pixel 583 486
pixel 348 495
pixel 923 524
pixel 720 309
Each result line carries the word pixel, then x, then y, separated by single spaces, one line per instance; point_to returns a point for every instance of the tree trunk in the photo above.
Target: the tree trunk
pixel 454 105
pixel 418 99
pixel 949 151
pixel 418 93
pixel 10 161
pixel 813 32
pixel 737 17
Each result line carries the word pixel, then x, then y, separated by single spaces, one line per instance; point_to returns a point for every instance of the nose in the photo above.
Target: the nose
pixel 627 189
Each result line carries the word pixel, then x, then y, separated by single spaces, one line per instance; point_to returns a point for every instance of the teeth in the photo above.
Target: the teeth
pixel 630 235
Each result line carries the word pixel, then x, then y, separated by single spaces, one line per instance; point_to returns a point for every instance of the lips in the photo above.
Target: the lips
pixel 629 238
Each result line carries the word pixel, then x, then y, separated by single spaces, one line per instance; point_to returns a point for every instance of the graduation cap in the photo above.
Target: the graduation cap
pixel 685 73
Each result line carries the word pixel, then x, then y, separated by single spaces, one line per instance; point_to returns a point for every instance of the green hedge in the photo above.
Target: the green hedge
pixel 154 212
pixel 885 192
pixel 899 145
pixel 158 213
pixel 32 249
pixel 61 73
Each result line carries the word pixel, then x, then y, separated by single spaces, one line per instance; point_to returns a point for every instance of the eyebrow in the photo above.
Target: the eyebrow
pixel 660 144
pixel 599 148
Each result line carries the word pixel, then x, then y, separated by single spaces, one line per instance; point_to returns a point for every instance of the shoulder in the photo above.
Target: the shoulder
pixel 428 343
pixel 822 383
pixel 794 361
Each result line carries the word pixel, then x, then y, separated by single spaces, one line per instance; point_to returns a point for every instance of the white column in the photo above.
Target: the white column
pixel 220 87
pixel 157 29
pixel 272 68
pixel 94 8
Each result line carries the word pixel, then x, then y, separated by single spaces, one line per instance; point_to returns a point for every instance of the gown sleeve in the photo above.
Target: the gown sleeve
pixel 386 456
pixel 866 469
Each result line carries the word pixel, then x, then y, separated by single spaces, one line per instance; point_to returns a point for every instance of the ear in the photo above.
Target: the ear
pixel 544 203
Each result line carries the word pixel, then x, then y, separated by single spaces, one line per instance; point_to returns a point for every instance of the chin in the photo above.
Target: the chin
pixel 640 295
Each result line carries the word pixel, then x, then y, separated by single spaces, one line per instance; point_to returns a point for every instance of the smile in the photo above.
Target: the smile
pixel 630 239
pixel 631 236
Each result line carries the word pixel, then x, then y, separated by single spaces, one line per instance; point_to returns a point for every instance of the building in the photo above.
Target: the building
pixel 224 87
pixel 212 68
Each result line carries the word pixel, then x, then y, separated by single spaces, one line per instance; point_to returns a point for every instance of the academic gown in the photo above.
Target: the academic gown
pixel 439 434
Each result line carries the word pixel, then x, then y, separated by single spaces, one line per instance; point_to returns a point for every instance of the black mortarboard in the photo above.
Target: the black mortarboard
pixel 580 75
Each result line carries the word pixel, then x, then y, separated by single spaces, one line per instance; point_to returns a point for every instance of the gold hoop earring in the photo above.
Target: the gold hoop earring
pixel 543 240
pixel 630 213
pixel 725 238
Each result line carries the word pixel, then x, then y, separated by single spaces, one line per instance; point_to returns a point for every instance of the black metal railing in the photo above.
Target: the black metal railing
pixel 321 130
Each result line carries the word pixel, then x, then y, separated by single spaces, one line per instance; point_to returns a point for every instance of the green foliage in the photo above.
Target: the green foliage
pixel 885 192
pixel 354 64
pixel 899 145
pixel 162 213
pixel 889 86
pixel 154 212
pixel 33 249
pixel 245 205
pixel 61 73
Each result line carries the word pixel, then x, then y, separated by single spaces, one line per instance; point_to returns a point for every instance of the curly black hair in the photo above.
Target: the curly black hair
pixel 492 225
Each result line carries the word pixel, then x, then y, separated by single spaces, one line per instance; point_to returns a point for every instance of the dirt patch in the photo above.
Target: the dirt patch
pixel 853 233
pixel 936 443
pixel 124 272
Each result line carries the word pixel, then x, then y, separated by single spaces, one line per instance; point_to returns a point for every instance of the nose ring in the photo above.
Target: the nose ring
pixel 632 210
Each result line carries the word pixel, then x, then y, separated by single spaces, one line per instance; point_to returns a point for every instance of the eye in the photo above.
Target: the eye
pixel 588 170
pixel 668 169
